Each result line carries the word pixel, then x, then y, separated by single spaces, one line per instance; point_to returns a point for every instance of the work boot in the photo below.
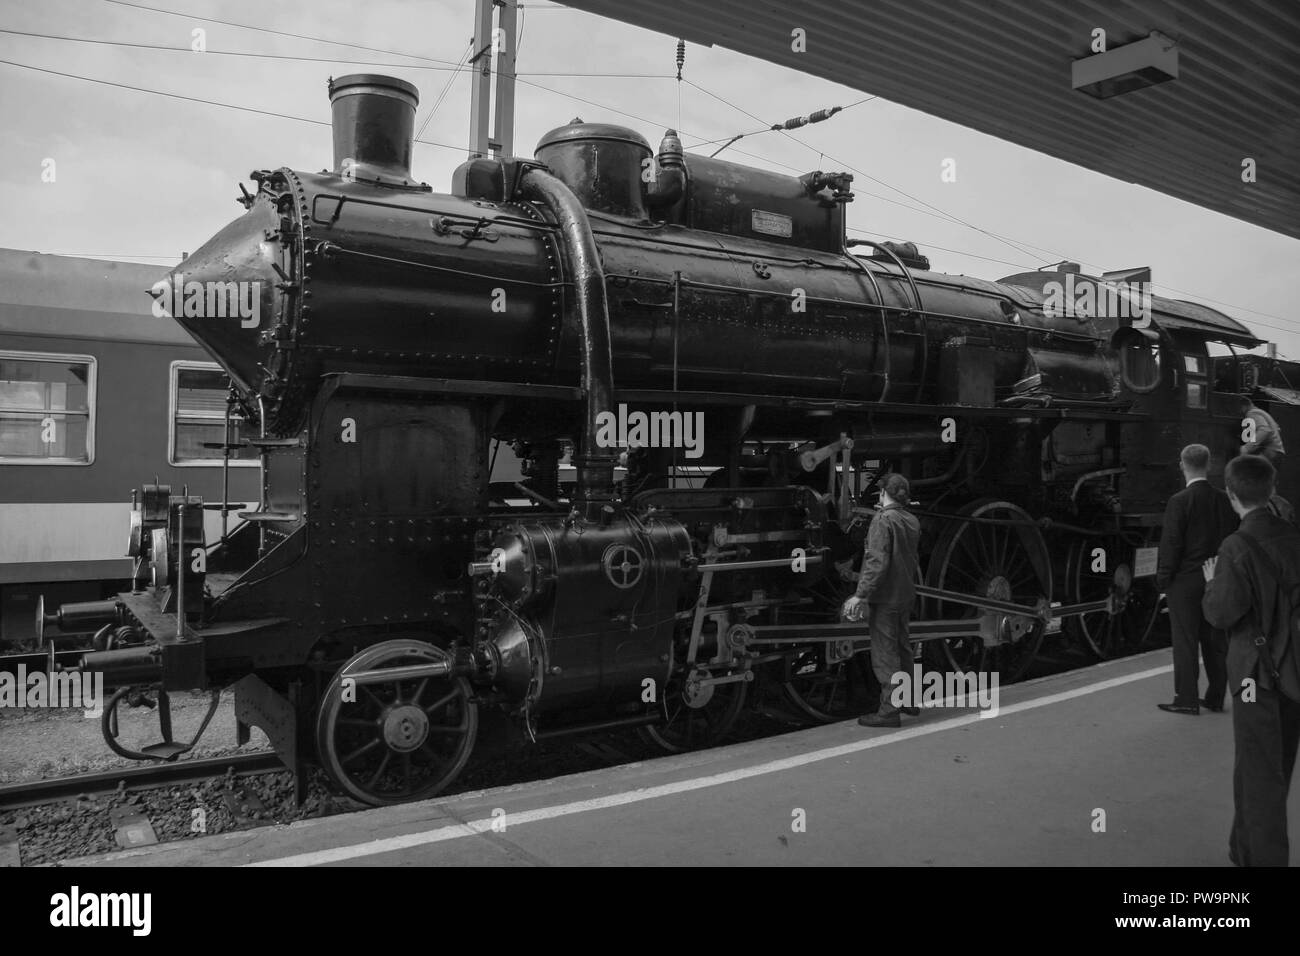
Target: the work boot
pixel 881 720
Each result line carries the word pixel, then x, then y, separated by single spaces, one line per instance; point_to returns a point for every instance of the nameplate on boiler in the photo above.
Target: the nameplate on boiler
pixel 771 223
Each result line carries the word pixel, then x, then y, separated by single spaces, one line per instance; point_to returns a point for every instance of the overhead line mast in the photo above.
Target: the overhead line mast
pixel 492 124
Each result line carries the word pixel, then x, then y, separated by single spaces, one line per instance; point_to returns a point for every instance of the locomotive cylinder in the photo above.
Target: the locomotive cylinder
pixel 602 602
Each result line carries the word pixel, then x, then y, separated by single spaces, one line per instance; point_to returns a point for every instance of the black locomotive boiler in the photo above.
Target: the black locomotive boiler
pixel 387 593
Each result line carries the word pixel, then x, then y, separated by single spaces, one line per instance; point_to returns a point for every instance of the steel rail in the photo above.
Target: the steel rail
pixel 34 792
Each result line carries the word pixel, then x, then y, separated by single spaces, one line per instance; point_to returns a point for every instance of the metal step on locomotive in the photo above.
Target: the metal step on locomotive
pixel 387 593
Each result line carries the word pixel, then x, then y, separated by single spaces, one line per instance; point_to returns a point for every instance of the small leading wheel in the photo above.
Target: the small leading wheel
pixel 397 740
pixel 1003 556
pixel 696 715
pixel 1108 635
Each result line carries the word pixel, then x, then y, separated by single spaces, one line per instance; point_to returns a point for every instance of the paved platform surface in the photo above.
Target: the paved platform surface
pixel 1023 788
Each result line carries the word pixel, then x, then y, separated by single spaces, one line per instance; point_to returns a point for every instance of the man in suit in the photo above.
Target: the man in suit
pixel 1197 519
pixel 888 587
pixel 1249 591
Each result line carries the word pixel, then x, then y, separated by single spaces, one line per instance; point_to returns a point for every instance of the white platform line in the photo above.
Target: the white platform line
pixel 518 818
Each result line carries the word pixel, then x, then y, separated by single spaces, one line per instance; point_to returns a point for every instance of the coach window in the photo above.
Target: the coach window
pixel 47 409
pixel 198 416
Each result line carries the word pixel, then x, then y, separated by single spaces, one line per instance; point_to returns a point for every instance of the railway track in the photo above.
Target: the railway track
pixel 32 793
pixel 43 821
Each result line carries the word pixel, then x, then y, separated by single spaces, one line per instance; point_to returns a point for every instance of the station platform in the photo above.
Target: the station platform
pixel 951 788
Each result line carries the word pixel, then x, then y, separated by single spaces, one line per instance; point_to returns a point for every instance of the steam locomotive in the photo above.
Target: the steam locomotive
pixel 386 593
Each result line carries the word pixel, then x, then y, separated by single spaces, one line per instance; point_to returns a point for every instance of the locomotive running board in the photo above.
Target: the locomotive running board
pixel 454 386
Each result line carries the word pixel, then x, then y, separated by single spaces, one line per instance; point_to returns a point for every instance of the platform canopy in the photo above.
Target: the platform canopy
pixel 1007 69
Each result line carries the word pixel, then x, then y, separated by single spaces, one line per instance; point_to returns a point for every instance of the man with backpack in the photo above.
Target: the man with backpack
pixel 1253 591
pixel 1282 508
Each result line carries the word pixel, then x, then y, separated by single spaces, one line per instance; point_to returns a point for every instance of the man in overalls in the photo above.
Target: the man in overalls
pixel 887 586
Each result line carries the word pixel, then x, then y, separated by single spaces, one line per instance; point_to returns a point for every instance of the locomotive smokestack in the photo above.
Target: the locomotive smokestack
pixel 374 121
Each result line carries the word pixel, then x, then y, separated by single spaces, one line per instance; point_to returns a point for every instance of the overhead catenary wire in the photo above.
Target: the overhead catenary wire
pixel 195 99
pixel 957 252
pixel 603 106
pixel 455 68
pixel 1029 267
pixel 304 119
pixel 445 89
pixel 109 255
pixel 442 64
pixel 854 169
pixel 437 66
pixel 799 170
pixel 794 122
pixel 1018 245
pixel 130 44
pixel 282 33
pixel 449 65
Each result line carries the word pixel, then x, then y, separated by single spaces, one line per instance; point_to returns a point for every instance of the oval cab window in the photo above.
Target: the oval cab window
pixel 1139 360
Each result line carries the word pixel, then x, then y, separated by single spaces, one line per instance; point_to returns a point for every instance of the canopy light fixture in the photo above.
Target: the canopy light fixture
pixel 1124 69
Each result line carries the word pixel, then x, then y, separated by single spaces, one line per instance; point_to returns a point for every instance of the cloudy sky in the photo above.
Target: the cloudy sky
pixel 144 176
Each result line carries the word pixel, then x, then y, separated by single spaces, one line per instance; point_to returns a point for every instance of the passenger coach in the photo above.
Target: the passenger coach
pixel 95 391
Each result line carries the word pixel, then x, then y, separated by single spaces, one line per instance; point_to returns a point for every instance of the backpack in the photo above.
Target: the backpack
pixel 1279 507
pixel 1290 590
